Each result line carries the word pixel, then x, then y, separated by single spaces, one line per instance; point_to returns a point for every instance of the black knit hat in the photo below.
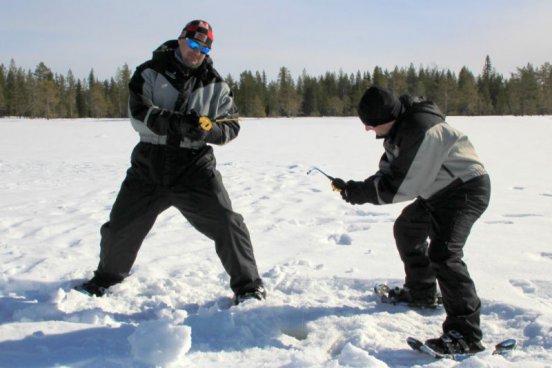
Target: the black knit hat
pixel 200 31
pixel 378 106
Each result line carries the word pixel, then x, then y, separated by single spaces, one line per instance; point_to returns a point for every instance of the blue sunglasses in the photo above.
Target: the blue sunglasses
pixel 196 46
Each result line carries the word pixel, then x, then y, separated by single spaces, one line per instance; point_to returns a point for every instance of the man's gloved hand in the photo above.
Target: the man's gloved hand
pixel 189 126
pixel 352 191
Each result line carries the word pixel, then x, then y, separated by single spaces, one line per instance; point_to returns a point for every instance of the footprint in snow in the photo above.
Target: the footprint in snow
pixel 519 215
pixel 362 213
pixel 504 222
pixel 358 227
pixel 341 239
pixel 546 255
pixel 541 289
pixel 525 286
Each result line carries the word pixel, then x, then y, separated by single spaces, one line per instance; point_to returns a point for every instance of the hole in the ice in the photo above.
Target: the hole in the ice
pixel 297 333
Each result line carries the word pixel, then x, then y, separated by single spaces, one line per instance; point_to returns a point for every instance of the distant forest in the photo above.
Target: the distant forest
pixel 528 91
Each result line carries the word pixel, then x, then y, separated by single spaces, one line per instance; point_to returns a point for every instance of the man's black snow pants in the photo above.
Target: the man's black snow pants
pixel 446 219
pixel 161 177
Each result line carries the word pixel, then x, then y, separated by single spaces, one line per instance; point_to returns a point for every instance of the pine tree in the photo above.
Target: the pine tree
pixel 435 86
pixel 80 100
pixel 311 94
pixel 491 89
pixel 413 82
pixel 327 92
pixel 98 104
pixel 47 98
pixel 344 87
pixel 249 95
pixel 398 81
pixel 531 94
pixel 3 107
pixel 12 89
pixel 62 109
pixel 71 95
pixel 360 84
pixel 121 91
pixel 467 93
pixel 545 82
pixel 378 77
pixel 450 93
pixel 421 83
pixel 272 100
pixel 289 100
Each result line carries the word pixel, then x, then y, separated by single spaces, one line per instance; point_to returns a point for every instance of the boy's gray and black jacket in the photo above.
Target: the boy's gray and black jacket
pixel 423 156
pixel 163 88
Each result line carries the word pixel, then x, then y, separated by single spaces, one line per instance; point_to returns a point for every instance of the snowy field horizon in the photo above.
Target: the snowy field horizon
pixel 319 256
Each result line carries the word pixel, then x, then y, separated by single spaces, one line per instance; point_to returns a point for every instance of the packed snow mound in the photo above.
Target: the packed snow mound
pixel 352 356
pixel 159 342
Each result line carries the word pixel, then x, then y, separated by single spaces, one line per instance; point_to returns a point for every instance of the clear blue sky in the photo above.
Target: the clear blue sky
pixel 315 35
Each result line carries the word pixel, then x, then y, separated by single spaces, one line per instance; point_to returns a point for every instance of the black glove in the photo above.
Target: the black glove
pixel 189 127
pixel 353 192
pixel 338 185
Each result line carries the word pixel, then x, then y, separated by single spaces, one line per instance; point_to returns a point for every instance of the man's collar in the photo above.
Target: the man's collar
pixel 178 55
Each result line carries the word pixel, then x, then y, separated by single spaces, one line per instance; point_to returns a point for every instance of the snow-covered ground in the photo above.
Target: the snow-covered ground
pixel 318 256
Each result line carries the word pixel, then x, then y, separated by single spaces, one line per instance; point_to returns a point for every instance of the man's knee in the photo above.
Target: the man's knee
pixel 442 251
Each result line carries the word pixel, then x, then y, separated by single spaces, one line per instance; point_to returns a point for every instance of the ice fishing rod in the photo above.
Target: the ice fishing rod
pixel 337 184
pixel 314 168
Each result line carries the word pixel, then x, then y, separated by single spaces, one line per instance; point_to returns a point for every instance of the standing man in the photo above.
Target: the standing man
pixel 178 103
pixel 428 160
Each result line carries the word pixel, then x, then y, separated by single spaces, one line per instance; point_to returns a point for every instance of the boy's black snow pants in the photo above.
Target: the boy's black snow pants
pixel 446 219
pixel 161 177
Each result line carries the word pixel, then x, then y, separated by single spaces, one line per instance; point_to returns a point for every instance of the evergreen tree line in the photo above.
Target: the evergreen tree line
pixel 45 94
pixel 528 91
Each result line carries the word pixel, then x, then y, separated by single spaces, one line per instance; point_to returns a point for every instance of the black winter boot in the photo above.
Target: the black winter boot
pixel 406 296
pixel 96 286
pixel 452 342
pixel 258 293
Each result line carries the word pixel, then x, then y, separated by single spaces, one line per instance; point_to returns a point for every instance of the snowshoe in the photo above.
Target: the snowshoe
pixel 470 349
